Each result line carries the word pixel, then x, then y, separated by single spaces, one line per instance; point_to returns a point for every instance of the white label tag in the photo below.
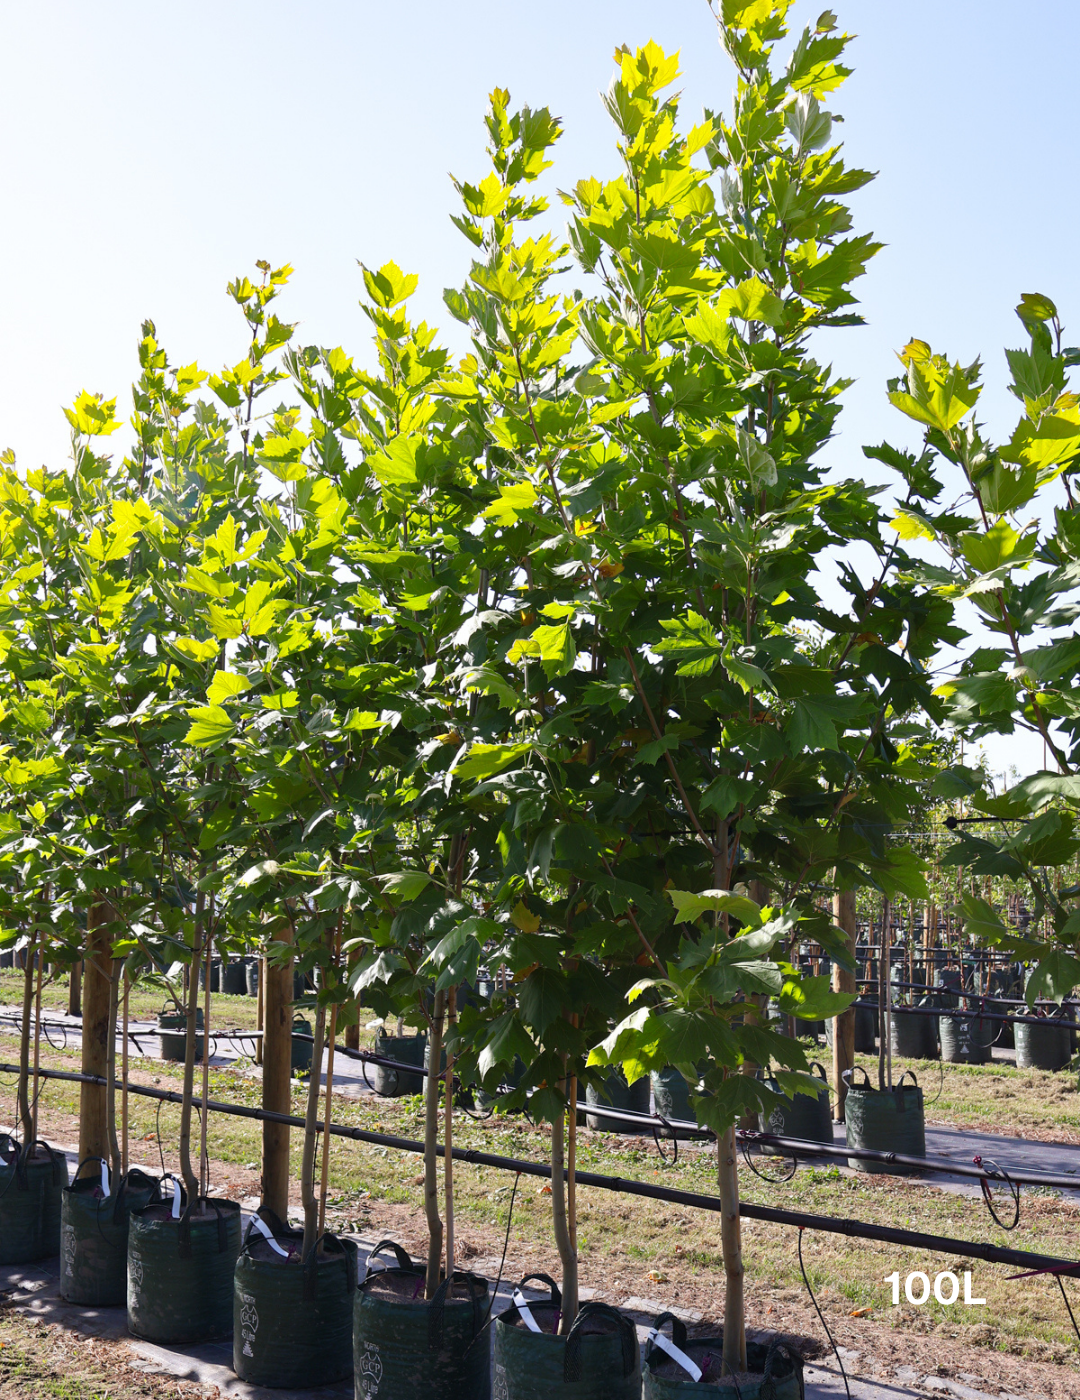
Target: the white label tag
pixel 660 1340
pixel 268 1235
pixel 524 1312
pixel 105 1178
pixel 175 1199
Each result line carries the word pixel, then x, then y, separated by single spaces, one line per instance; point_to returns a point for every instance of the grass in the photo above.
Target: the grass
pixel 41 1362
pixel 630 1245
pixel 144 1003
pixel 656 1250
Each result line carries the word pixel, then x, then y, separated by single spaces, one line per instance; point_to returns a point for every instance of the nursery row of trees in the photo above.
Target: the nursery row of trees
pixel 406 664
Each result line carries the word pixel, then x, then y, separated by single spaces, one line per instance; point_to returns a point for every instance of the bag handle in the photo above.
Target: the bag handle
pixel 674 1348
pixel 104 1173
pixel 437 1306
pixel 768 1381
pixel 592 1311
pixel 403 1260
pixel 849 1075
pixel 522 1303
pixel 265 1229
pixel 817 1065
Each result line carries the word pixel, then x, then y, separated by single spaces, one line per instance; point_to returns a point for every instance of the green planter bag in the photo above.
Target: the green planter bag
pixel 392 1083
pixel 598 1359
pixel 801 1116
pixel 30 1187
pixel 627 1098
pixel 302 1050
pixel 885 1120
pixel 94 1233
pixel 680 1367
pixel 172 1034
pixel 292 1325
pixel 405 1348
pixel 1043 1046
pixel 180 1268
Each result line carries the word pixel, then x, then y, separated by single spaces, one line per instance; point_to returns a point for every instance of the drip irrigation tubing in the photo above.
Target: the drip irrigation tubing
pixel 967 992
pixel 853 1229
pixel 962 1012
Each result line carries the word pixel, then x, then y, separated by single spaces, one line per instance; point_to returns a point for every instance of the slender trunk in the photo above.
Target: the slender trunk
pixel 448 1137
pixel 883 1006
pixel 277 1080
pixel 431 1136
pixel 311 1136
pixel 97 966
pixel 204 1160
pixel 25 1114
pixel 124 1077
pixel 37 1034
pixel 731 1244
pixel 843 981
pixel 75 989
pixel 886 949
pixel 571 1167
pixel 327 1116
pixel 115 1158
pixel 191 1181
pixel 563 1243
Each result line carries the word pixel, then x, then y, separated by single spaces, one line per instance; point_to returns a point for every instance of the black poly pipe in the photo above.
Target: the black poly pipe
pixel 853 1229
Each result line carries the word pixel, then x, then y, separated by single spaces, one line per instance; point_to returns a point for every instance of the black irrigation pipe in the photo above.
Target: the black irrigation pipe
pixel 962 1013
pixel 801 1147
pixel 967 992
pixel 853 1229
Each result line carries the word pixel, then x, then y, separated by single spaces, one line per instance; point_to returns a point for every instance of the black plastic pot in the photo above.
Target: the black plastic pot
pixel 1042 1046
pixel 865 1029
pixel 405 1348
pixel 914 1036
pixel 1005 1030
pixel 251 976
pixel 215 975
pixel 94 1234
pixel 172 1033
pixel 885 1120
pixel 234 978
pixel 616 1093
pixel 397 1083
pixel 966 1040
pixel 292 1325
pixel 775 1371
pixel 30 1191
pixel 800 1116
pixel 180 1271
pixel 302 1050
pixel 598 1359
pixel 671 1094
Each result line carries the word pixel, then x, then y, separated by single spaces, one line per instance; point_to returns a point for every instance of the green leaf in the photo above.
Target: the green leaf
pixel 395 465
pixel 405 884
pixel 226 685
pixel 812 999
pixel 690 907
pixel 1057 974
pixel 211 726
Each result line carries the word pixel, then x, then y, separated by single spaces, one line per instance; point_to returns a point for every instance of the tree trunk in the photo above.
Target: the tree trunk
pixel 124 1080
pixel 191 1181
pixel 731 1244
pixel 97 991
pixel 563 1241
pixel 431 1137
pixel 115 1155
pixel 328 1114
pixel 311 1137
pixel 448 1137
pixel 277 1080
pixel 843 1041
pixel 75 989
pixel 26 1118
pixel 352 1036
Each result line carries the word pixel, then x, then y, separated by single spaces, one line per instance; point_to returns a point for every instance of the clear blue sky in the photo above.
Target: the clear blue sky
pixel 151 152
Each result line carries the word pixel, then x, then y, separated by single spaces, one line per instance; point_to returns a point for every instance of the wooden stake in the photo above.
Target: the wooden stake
pixel 37 1030
pixel 431 1134
pixel 844 981
pixel 311 1137
pixel 260 1011
pixel 124 1079
pixel 26 1120
pixel 204 1161
pixel 97 973
pixel 277 1079
pixel 448 1136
